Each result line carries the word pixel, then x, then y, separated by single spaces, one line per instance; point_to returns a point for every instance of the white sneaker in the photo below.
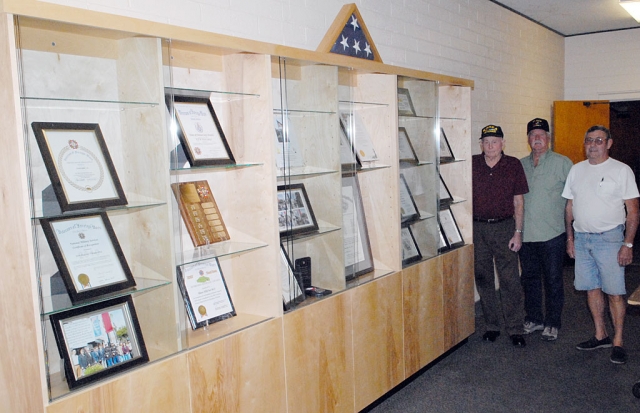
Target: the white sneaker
pixel 529 327
pixel 549 334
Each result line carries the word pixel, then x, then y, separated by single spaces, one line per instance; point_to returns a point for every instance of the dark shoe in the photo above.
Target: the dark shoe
pixel 618 355
pixel 490 336
pixel 518 340
pixel 593 344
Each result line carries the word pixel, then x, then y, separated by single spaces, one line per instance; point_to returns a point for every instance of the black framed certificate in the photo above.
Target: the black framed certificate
pixel 295 215
pixel 405 105
pixel 79 165
pixel 410 250
pixel 358 259
pixel 446 154
pixel 450 228
pixel 199 130
pixel 406 152
pixel 445 195
pixel 292 293
pixel 205 293
pixel 408 207
pixel 99 340
pixel 88 255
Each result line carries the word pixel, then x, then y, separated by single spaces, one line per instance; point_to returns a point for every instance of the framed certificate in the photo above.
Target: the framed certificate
pixel 410 250
pixel 99 340
pixel 357 248
pixel 446 155
pixel 200 213
pixel 408 207
pixel 445 195
pixel 205 293
pixel 405 105
pixel 450 228
pixel 405 148
pixel 358 136
pixel 79 165
pixel 292 293
pixel 199 130
pixel 348 159
pixel 288 154
pixel 88 255
pixel 295 215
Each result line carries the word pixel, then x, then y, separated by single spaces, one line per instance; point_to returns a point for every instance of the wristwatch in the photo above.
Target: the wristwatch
pixel 628 245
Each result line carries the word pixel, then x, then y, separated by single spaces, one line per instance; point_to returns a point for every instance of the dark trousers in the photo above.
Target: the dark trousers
pixel 542 266
pixel 491 242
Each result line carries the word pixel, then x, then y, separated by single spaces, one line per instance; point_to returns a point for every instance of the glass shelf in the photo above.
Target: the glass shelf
pixel 35 102
pixel 409 164
pixel 321 231
pixel 451 118
pixel 423 216
pixel 53 209
pixel 213 95
pixel 355 105
pixel 187 167
pixel 368 277
pixel 416 117
pixel 443 162
pixel 302 112
pixel 219 249
pixel 424 258
pixel 302 172
pixel 56 303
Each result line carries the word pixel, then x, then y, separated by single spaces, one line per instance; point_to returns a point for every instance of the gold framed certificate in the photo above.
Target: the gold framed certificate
pixel 79 165
pixel 405 105
pixel 88 255
pixel 199 130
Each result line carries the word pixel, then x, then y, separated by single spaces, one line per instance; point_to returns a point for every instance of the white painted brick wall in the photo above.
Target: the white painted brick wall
pixel 517 65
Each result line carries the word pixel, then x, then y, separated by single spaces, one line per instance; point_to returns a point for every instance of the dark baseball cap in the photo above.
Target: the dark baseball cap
pixel 538 123
pixel 492 130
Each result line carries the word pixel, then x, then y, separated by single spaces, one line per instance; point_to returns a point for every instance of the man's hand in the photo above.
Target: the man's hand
pixel 515 243
pixel 625 256
pixel 571 248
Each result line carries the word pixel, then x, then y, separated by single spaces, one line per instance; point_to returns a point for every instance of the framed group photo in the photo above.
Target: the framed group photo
pixel 295 215
pixel 99 340
pixel 358 259
pixel 79 165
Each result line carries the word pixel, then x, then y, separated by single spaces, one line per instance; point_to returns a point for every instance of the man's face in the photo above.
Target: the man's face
pixel 538 141
pixel 597 146
pixel 492 146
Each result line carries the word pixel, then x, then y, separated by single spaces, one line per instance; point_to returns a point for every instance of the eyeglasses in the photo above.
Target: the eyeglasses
pixel 598 141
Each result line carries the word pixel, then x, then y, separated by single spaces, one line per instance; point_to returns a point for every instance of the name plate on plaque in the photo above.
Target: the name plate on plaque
pixel 200 212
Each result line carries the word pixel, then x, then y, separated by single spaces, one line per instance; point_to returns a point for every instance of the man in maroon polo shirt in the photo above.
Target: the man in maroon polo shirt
pixel 499 184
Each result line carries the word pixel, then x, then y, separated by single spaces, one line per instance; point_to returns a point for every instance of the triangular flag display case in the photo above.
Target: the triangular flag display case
pixel 307 286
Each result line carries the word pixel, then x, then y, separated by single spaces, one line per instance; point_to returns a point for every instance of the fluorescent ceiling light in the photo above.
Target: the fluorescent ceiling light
pixel 632 7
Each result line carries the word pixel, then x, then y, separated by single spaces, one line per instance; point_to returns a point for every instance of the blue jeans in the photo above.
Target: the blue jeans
pixel 542 266
pixel 597 261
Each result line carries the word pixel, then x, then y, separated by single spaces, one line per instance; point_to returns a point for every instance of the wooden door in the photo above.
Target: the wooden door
pixel 571 121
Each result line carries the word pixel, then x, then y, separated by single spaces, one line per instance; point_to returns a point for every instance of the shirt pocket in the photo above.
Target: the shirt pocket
pixel 606 188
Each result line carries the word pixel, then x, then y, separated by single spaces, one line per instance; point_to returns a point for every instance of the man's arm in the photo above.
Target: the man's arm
pixel 568 222
pixel 625 255
pixel 516 241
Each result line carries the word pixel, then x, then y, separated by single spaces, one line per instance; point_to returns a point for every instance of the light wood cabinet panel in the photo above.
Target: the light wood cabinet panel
pixel 423 314
pixel 458 280
pixel 377 338
pixel 319 357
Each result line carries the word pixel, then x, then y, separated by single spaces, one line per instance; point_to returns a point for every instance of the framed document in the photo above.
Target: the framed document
pixel 446 155
pixel 292 293
pixel 359 137
pixel 88 255
pixel 445 195
pixel 405 105
pixel 442 242
pixel 408 207
pixel 450 228
pixel 405 148
pixel 357 248
pixel 200 212
pixel 99 340
pixel 199 130
pixel 348 159
pixel 288 154
pixel 79 165
pixel 295 215
pixel 410 250
pixel 205 293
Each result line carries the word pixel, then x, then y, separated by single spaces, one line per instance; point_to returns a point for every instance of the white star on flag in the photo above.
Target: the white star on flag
pixel 354 22
pixel 344 43
pixel 356 45
pixel 368 49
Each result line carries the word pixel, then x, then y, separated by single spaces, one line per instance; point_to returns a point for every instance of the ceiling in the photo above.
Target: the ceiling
pixel 573 17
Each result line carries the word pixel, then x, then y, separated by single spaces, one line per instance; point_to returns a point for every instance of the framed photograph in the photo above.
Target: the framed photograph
pixel 199 130
pixel 292 292
pixel 446 155
pixel 408 207
pixel 288 153
pixel 200 213
pixel 79 165
pixel 295 215
pixel 88 255
pixel 450 228
pixel 405 105
pixel 405 148
pixel 445 195
pixel 410 250
pixel 358 259
pixel 442 242
pixel 99 340
pixel 205 293
pixel 358 136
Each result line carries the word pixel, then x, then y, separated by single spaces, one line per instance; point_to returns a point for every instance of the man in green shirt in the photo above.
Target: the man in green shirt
pixel 544 237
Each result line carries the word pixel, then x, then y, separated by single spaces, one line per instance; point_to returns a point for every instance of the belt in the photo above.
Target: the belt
pixel 491 220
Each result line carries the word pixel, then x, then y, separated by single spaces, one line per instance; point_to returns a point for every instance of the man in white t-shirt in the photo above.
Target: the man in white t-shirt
pixel 600 235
